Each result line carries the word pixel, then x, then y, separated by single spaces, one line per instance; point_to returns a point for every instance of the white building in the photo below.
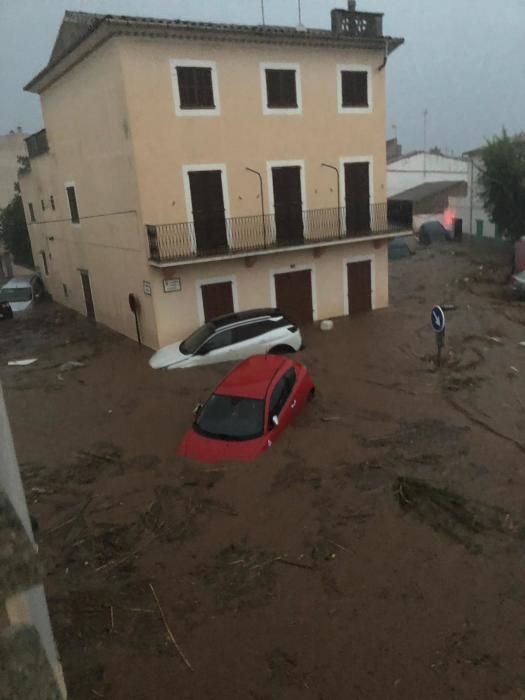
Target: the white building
pixel 474 219
pixel 419 167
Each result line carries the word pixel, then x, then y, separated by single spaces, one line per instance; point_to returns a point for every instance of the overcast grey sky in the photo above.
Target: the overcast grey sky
pixel 463 60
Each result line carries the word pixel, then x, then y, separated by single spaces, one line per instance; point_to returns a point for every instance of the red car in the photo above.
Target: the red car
pixel 248 410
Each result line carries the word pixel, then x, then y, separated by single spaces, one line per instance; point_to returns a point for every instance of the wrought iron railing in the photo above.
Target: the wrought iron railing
pixel 250 234
pixel 37 143
pixel 358 24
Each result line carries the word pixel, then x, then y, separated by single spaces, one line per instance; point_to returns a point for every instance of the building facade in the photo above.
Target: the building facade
pixel 12 145
pixel 211 168
pixel 469 209
pixel 414 169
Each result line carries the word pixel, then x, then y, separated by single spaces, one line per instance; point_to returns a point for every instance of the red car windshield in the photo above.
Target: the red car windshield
pixel 231 418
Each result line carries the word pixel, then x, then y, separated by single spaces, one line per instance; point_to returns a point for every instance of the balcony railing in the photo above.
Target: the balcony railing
pixel 252 234
pixel 37 143
pixel 358 24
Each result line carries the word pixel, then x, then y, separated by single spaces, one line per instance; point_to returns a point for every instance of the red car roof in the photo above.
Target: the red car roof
pixel 252 377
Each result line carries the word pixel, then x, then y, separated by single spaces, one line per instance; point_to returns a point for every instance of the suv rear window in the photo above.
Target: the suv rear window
pixel 252 330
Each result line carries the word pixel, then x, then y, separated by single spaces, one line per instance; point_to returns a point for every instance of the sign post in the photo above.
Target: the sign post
pixel 437 319
pixel 135 307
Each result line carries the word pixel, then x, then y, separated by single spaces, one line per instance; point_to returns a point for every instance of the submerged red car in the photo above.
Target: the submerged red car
pixel 249 410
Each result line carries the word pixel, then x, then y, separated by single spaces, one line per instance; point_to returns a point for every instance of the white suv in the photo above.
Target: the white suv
pixel 231 337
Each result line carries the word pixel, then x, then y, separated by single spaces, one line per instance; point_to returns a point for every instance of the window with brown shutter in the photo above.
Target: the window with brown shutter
pixel 281 88
pixel 73 206
pixel 354 88
pixel 195 87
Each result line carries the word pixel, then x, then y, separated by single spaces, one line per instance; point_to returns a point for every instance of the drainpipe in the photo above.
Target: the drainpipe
pixel 471 194
pixel 332 167
pixel 386 56
pixel 261 191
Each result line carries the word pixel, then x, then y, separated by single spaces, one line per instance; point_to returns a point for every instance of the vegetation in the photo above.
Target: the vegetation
pixel 13 231
pixel 502 182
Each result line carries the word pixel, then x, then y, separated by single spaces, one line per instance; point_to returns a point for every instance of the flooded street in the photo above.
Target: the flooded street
pixel 375 552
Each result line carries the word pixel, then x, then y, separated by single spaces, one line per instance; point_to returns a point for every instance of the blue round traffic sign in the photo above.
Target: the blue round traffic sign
pixel 437 318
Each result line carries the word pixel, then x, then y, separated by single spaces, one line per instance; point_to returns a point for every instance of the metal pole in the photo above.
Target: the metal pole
pixel 261 191
pixel 262 12
pixel 137 326
pixel 299 11
pixel 424 145
pixel 332 167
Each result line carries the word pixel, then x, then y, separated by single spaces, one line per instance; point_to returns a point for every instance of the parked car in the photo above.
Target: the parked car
pixel 19 294
pixel 517 284
pixel 231 337
pixel 249 410
pixel 433 232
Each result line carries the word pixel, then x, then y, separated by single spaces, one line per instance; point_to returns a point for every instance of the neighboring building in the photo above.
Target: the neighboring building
pixel 185 163
pixel 419 167
pixel 393 150
pixel 469 209
pixel 426 202
pixel 12 145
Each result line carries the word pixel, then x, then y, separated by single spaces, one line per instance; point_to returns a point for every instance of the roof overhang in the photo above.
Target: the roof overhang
pixel 108 26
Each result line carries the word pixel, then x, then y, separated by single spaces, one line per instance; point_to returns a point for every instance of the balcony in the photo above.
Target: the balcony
pixel 250 235
pixel 37 144
pixel 358 24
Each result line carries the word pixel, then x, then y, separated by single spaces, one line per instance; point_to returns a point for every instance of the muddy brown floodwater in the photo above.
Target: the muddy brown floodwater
pixel 375 552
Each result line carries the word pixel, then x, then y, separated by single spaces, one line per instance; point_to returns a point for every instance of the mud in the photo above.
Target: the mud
pixel 299 576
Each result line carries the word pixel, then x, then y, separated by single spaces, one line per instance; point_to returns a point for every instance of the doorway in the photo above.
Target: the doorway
pixel 293 295
pixel 217 299
pixel 359 275
pixel 479 228
pixel 357 197
pixel 288 204
pixel 207 204
pixel 88 296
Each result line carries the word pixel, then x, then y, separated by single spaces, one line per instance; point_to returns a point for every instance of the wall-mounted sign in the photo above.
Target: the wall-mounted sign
pixel 147 287
pixel 172 285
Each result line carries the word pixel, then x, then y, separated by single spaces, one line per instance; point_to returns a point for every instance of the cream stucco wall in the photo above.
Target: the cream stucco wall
pixel 242 135
pixel 89 145
pixel 178 313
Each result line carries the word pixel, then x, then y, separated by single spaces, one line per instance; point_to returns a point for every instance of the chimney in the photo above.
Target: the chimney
pixel 352 5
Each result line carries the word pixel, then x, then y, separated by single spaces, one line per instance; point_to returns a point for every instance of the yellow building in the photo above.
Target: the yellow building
pixel 207 168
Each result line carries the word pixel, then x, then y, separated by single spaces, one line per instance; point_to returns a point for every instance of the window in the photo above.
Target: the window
pixel 281 393
pixel 42 205
pixel 195 88
pixel 281 88
pixel 52 202
pixel 44 261
pixel 31 212
pixel 218 341
pixel 354 89
pixel 252 329
pixel 231 418
pixel 73 206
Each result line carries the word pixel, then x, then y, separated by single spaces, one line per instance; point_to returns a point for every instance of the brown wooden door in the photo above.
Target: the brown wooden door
pixel 359 287
pixel 217 299
pixel 293 294
pixel 357 197
pixel 88 296
pixel 288 204
pixel 207 203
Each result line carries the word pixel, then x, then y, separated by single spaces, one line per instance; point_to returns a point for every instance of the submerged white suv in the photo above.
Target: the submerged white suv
pixel 231 337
